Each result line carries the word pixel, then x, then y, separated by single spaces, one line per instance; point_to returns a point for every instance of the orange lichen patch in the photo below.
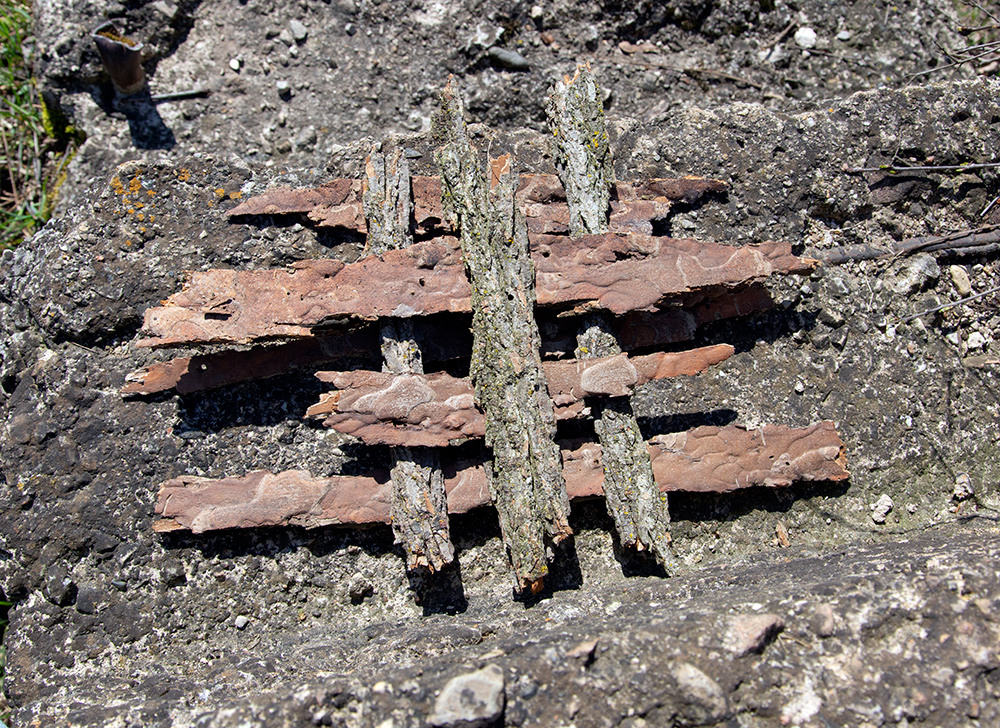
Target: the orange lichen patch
pixel 235 195
pixel 219 192
pixel 117 186
pixel 184 175
pixel 150 193
pixel 140 217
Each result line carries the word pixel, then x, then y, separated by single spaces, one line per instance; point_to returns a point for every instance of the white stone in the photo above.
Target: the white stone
pixel 881 508
pixel 976 340
pixel 299 31
pixel 963 487
pixel 471 700
pixel 805 38
pixel 705 701
pixel 234 63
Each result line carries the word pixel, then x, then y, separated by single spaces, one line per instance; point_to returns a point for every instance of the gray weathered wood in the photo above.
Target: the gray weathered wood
pixel 526 479
pixel 634 500
pixel 419 505
pixel 582 151
pixel 583 159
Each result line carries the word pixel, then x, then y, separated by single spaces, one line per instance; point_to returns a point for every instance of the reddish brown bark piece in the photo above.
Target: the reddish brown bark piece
pixel 618 273
pixel 706 459
pixel 634 205
pixel 635 330
pixel 208 371
pixel 432 410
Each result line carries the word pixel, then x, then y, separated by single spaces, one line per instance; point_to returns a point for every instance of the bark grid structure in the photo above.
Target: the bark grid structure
pixel 526 480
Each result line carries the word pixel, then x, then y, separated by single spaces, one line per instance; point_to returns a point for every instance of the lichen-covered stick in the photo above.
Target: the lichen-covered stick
pixel 419 504
pixel 526 479
pixel 583 159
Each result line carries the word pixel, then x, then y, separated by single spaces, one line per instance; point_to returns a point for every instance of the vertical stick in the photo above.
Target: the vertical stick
pixel 419 505
pixel 583 160
pixel 526 475
pixel 582 151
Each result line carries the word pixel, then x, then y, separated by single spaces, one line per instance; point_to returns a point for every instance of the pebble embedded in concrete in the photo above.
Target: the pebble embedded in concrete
pixel 703 698
pixel 299 31
pixel 881 508
pixel 471 700
pixel 960 279
pixel 805 38
pixel 963 487
pixel 749 633
pixel 241 622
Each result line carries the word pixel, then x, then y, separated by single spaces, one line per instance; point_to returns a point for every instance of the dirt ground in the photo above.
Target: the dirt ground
pixel 858 621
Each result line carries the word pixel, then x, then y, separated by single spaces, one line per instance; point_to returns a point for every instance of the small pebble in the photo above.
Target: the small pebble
pixel 805 38
pixel 976 340
pixel 286 37
pixel 844 35
pixel 473 699
pixel 299 31
pixel 506 58
pixel 960 278
pixel 234 63
pixel 241 622
pixel 823 622
pixel 283 87
pixel 752 632
pixel 963 487
pixel 881 508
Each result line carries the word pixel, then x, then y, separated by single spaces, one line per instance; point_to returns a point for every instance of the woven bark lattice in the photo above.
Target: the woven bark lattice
pixel 505 252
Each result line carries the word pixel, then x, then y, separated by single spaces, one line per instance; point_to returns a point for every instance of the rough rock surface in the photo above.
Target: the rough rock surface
pixel 885 624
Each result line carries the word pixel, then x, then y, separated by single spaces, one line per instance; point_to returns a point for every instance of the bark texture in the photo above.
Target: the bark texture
pixel 636 504
pixel 582 151
pixel 703 460
pixel 619 273
pixel 337 204
pixel 583 158
pixel 434 410
pixel 526 474
pixel 419 505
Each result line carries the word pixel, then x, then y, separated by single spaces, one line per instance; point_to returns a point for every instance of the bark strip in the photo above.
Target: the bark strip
pixel 613 272
pixel 526 473
pixel 338 204
pixel 419 505
pixel 583 158
pixel 702 460
pixel 636 504
pixel 639 329
pixel 582 151
pixel 437 409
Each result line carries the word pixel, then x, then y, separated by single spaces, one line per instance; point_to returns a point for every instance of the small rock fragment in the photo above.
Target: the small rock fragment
pixel 963 487
pixel 471 700
pixel 844 35
pixel 283 88
pixel 506 58
pixel 881 508
pixel 286 37
pixel 299 31
pixel 918 273
pixel 960 278
pixel 805 38
pixel 823 621
pixel 975 341
pixel 234 63
pixel 241 622
pixel 704 702
pixel 359 587
pixel 749 633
